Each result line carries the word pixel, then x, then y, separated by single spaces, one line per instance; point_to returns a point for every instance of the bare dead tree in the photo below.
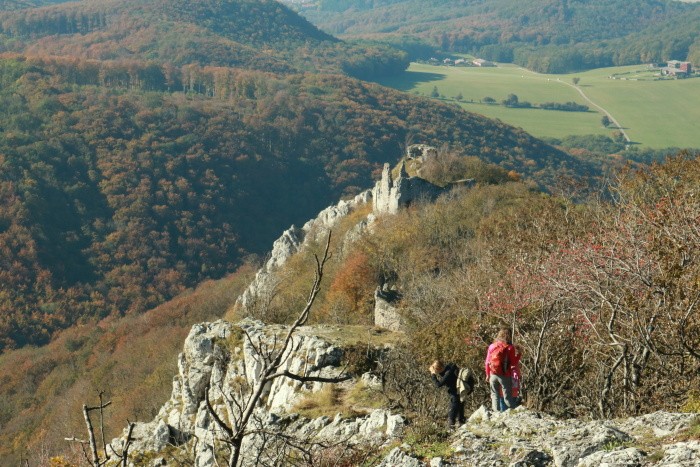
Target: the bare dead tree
pixel 124 456
pixel 272 357
pixel 93 456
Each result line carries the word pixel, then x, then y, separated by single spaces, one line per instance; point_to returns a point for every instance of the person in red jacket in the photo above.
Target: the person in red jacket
pixel 499 365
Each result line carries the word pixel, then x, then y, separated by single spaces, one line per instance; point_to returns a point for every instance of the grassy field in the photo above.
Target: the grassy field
pixel 654 113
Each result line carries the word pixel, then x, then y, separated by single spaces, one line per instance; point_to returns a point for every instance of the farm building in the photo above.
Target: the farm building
pixel 677 68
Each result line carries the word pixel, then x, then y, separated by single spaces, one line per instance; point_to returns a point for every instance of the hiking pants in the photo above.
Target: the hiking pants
pixel 456 413
pixel 498 383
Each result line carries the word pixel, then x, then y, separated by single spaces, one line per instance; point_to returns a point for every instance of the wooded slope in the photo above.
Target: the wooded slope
pixel 254 34
pixel 544 35
pixel 116 198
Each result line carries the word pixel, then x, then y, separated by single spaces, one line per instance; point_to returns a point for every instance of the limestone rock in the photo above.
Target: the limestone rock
pixel 661 423
pixel 481 414
pixel 685 454
pixel 389 194
pixel 147 437
pixel 398 458
pixel 285 246
pixel 329 217
pixel 371 381
pixel 385 313
pixel 420 152
pixel 615 457
pixel 526 438
pixel 571 444
pixel 216 358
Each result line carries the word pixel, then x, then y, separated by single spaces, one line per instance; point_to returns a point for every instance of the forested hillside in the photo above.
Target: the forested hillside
pixel 544 35
pixel 132 359
pixel 116 198
pixel 254 34
pixel 9 5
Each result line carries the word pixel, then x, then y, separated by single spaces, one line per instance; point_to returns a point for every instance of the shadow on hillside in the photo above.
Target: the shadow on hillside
pixel 411 79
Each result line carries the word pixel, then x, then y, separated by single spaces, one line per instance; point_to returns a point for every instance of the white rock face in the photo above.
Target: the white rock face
pixel 685 454
pixel 389 194
pixel 218 358
pixel 398 458
pixel 385 313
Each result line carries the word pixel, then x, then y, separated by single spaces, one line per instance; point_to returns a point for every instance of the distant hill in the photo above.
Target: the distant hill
pixel 10 5
pixel 254 34
pixel 546 35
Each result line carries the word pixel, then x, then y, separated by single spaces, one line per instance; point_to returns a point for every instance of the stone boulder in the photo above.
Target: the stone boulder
pixel 385 313
pixel 398 458
pixel 685 454
pixel 616 456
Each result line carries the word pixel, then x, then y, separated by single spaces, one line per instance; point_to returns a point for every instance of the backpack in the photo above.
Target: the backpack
pixel 465 383
pixel 498 360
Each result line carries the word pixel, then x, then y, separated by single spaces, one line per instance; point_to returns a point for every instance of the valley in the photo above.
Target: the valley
pixel 654 113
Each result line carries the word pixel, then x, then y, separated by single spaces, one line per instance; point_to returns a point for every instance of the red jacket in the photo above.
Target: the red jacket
pixel 512 359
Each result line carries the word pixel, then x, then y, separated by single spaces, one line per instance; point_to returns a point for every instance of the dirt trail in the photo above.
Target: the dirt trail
pixel 590 101
pixel 612 119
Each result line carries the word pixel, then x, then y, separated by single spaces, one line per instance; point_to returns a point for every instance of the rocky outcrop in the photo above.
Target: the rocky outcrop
pixel 292 241
pixel 389 194
pixel 224 359
pixel 385 313
pixel 221 359
pixel 398 457
pixel 526 438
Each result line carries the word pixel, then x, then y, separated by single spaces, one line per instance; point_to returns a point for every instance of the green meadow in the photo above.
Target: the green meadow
pixel 654 113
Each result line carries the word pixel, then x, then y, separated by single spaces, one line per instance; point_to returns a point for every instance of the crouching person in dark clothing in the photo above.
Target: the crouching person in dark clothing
pixel 446 375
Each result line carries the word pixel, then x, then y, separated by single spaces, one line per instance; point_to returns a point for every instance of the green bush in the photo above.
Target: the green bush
pixel 692 403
